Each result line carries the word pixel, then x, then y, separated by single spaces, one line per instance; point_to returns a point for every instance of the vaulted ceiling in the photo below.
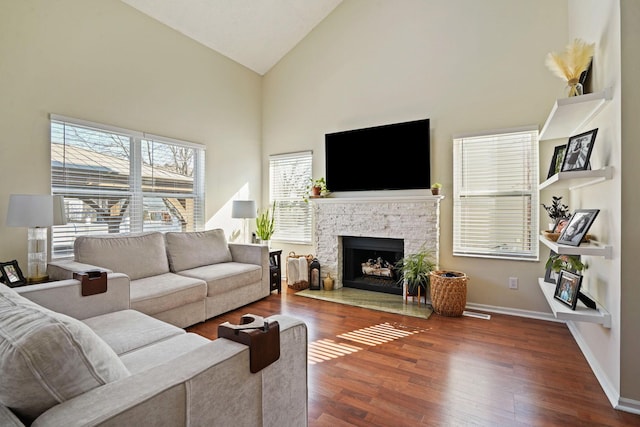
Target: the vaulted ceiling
pixel 254 33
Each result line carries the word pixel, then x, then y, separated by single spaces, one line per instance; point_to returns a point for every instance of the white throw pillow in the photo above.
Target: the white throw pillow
pixel 47 357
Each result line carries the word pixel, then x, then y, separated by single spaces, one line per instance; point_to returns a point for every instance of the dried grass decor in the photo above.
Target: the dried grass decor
pixel 571 63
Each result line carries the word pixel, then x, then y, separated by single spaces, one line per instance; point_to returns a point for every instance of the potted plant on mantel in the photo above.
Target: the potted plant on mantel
pixel 435 188
pixel 414 271
pixel 317 187
pixel 265 224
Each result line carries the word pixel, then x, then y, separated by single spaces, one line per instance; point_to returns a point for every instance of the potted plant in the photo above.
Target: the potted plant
pixel 435 188
pixel 317 187
pixel 557 210
pixel 557 262
pixel 265 224
pixel 414 270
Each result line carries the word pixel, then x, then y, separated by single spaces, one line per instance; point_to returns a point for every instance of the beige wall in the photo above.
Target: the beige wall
pixel 106 62
pixel 467 65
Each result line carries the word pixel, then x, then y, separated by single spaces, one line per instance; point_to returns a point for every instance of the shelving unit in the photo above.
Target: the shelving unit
pixel 576 179
pixel 592 249
pixel 566 118
pixel 569 114
pixel 582 313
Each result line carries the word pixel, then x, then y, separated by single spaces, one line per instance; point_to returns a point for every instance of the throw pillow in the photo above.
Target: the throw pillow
pixel 187 250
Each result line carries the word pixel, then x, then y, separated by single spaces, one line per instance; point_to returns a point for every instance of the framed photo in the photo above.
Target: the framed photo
pixel 568 288
pixel 560 224
pixel 578 226
pixel 556 161
pixel 578 152
pixel 11 274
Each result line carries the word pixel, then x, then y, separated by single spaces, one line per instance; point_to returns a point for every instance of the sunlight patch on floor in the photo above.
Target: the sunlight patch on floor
pixel 327 349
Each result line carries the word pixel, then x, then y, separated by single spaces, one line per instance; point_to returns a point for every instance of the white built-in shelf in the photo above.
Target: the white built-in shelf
pixel 568 115
pixel 582 313
pixel 576 179
pixel 592 248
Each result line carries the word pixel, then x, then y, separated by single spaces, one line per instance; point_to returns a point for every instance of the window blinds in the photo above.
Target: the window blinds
pixel 495 202
pixel 119 181
pixel 289 175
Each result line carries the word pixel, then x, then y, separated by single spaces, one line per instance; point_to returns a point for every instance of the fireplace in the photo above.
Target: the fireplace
pixel 369 263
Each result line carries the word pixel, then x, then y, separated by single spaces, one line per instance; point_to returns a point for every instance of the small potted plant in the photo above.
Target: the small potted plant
pixel 435 188
pixel 557 210
pixel 265 224
pixel 414 271
pixel 317 187
pixel 558 262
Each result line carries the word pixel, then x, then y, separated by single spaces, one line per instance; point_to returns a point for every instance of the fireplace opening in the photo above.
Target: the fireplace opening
pixel 369 263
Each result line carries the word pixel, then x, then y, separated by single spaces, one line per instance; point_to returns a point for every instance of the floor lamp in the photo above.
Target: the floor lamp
pixel 244 209
pixel 37 213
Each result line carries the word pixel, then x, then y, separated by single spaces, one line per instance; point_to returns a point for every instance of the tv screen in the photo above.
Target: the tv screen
pixel 388 157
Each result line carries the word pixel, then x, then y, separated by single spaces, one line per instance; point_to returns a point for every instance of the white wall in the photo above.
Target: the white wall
pixel 106 62
pixel 465 64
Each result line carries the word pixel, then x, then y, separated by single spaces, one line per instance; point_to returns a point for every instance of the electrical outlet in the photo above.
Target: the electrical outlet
pixel 513 283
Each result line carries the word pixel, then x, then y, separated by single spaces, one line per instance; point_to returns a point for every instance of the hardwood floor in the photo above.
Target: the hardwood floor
pixel 370 368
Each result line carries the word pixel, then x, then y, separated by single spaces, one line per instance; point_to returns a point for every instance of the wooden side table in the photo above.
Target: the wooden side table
pixel 275 270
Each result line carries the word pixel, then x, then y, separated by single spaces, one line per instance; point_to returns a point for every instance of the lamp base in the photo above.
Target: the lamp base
pixel 35 280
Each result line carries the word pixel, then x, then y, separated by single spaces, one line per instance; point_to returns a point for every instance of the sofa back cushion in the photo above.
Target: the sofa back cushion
pixel 196 248
pixel 47 357
pixel 136 255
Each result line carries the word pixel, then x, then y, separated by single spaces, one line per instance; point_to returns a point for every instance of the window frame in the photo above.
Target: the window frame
pixel 478 195
pixel 131 187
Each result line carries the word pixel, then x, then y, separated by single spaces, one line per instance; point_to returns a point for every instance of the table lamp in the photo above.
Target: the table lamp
pixel 244 209
pixel 36 212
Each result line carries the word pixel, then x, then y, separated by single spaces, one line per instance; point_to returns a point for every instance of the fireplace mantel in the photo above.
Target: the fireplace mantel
pixel 415 219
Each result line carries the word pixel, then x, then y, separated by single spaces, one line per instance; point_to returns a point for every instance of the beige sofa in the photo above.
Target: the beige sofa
pixel 87 361
pixel 179 277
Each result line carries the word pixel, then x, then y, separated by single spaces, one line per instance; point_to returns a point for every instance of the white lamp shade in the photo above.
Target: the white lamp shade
pixel 30 210
pixel 59 214
pixel 244 209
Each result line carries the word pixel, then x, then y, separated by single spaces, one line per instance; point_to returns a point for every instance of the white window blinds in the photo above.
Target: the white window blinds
pixel 495 204
pixel 289 175
pixel 119 181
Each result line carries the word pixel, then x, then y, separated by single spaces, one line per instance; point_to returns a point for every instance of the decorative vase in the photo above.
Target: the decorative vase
pixel 574 88
pixel 328 282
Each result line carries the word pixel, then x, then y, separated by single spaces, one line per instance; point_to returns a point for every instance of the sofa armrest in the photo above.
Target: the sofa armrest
pixel 62 270
pixel 65 296
pixel 253 254
pixel 8 419
pixel 211 386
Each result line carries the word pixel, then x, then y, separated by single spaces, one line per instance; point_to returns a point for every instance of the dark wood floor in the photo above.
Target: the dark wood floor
pixel 369 368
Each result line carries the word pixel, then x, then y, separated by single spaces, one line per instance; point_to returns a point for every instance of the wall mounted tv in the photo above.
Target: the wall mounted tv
pixel 388 157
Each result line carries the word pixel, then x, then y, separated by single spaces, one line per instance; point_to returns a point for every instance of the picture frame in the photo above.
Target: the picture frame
pixel 12 274
pixel 578 151
pixel 560 224
pixel 568 288
pixel 556 160
pixel 551 276
pixel 578 226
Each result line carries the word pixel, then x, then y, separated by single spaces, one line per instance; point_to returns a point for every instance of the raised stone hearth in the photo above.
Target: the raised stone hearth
pixel 414 219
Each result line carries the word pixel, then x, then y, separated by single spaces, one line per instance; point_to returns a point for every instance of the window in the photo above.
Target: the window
pixel 289 175
pixel 495 201
pixel 119 181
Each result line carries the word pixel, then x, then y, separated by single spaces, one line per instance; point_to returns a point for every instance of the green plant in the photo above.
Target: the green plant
pixel 565 262
pixel 320 186
pixel 557 209
pixel 265 223
pixel 415 268
pixel 436 185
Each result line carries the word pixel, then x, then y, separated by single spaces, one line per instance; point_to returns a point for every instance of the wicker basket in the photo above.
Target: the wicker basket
pixel 448 294
pixel 300 284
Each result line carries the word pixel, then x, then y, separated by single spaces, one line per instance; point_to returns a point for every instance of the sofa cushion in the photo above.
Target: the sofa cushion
pixel 47 357
pixel 194 249
pixel 136 255
pixel 226 277
pixel 129 330
pixel 163 351
pixel 156 294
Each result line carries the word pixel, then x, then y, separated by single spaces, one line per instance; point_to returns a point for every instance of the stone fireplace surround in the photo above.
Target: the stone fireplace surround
pixel 415 219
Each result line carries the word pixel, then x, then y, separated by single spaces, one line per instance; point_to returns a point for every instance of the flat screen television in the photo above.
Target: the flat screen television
pixel 387 157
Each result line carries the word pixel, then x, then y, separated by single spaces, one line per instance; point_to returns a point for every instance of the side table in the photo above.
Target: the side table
pixel 275 270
